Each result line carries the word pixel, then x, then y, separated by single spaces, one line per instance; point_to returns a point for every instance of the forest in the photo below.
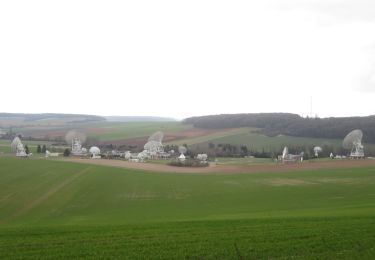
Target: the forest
pixel 273 124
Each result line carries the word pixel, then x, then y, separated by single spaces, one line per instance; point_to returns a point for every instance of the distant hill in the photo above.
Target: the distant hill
pixel 138 119
pixel 273 124
pixel 20 119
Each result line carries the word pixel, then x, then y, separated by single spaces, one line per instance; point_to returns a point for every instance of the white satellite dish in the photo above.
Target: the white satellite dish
pixel 18 147
pixel 95 152
pixel 353 142
pixel 76 139
pixel 15 143
pixel 182 149
pixel 285 152
pixel 157 137
pixel 153 146
pixel 317 150
pixel 74 134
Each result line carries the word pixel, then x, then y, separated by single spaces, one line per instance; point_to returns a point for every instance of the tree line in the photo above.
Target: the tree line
pixel 273 124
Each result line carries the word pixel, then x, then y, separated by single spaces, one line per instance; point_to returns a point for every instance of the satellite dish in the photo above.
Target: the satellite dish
pixel 157 137
pixel 317 150
pixel 285 152
pixel 74 134
pixel 182 149
pixel 353 141
pixel 153 146
pixel 94 150
pixel 15 143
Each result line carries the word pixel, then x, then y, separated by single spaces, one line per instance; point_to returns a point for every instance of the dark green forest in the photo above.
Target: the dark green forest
pixel 273 124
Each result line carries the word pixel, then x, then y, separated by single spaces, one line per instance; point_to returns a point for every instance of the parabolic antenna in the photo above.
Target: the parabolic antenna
pixel 153 146
pixel 73 134
pixel 157 137
pixel 182 149
pixel 317 150
pixel 94 150
pixel 15 143
pixel 353 139
pixel 285 152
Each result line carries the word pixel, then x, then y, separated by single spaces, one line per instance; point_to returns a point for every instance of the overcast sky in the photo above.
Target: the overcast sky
pixel 186 58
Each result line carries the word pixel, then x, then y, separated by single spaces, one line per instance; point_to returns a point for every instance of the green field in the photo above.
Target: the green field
pixel 120 131
pixel 105 131
pixel 55 209
pixel 5 145
pixel 257 141
pixel 223 133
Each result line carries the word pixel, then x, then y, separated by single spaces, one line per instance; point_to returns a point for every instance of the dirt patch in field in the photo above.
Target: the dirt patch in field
pixel 230 169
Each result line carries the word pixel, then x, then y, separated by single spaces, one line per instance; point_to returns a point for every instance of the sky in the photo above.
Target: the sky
pixel 188 58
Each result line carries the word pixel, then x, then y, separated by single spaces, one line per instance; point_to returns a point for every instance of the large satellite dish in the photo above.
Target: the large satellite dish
pixel 352 139
pixel 353 142
pixel 15 143
pixel 285 152
pixel 94 150
pixel 157 137
pixel 317 150
pixel 153 146
pixel 182 149
pixel 74 134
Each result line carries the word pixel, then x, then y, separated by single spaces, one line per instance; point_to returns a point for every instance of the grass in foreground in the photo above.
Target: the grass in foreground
pixel 306 238
pixel 59 209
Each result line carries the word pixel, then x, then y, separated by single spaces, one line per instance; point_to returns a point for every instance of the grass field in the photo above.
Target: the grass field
pixel 119 131
pixel 57 209
pixel 258 141
pixel 223 133
pixel 5 145
pixel 105 131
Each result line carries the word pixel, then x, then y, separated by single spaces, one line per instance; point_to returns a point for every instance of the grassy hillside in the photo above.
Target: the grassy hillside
pixel 129 130
pixel 212 136
pixel 46 119
pixel 273 124
pixel 60 209
pixel 257 141
pixel 103 131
